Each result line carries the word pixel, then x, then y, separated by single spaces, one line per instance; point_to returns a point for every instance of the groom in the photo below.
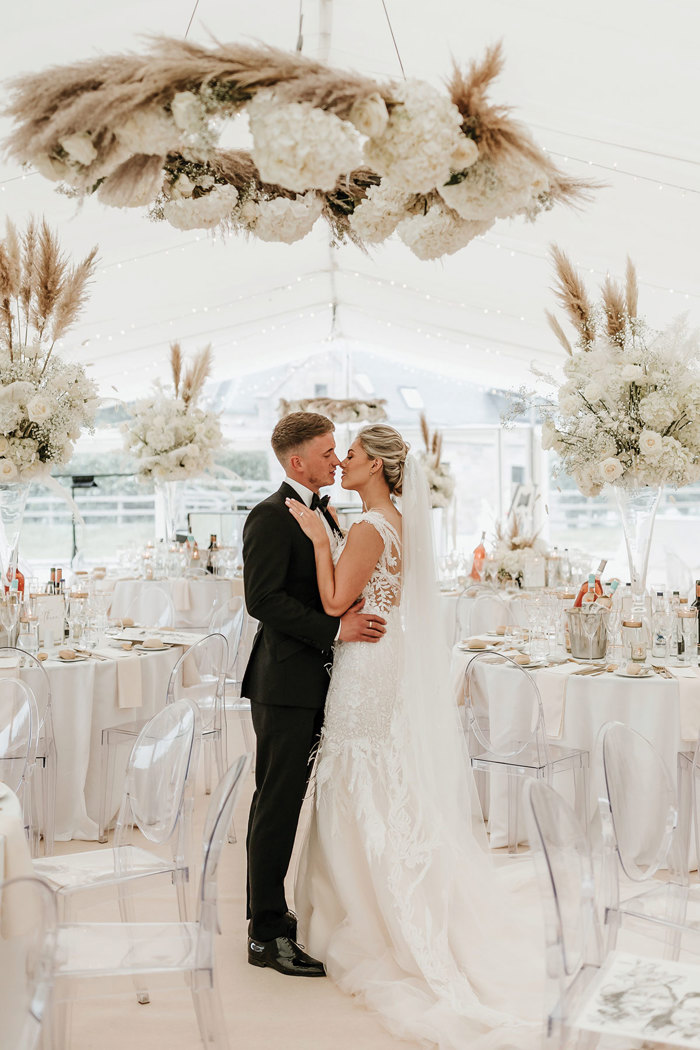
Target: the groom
pixel 287 677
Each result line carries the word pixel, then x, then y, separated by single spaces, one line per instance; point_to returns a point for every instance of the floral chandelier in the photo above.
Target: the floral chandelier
pixel 370 158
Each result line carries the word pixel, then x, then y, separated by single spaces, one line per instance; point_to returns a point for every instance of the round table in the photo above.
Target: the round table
pixel 665 711
pixel 86 697
pixel 194 599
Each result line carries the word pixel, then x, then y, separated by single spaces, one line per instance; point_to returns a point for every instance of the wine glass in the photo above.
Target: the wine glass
pixel 9 611
pixel 591 620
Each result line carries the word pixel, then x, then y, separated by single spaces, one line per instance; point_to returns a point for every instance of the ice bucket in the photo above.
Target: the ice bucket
pixel 583 647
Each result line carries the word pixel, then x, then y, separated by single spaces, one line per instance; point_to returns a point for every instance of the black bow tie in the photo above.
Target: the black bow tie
pixel 319 502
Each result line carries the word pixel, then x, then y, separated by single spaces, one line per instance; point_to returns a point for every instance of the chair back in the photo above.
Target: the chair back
pixel 564 867
pixel 636 781
pixel 216 825
pixel 504 707
pixel 32 671
pixel 488 612
pixel 162 761
pixel 27 951
pixel 153 607
pixel 200 675
pixel 19 732
pixel 227 620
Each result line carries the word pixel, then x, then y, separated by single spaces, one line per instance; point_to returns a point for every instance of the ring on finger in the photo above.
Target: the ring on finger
pixel 371 625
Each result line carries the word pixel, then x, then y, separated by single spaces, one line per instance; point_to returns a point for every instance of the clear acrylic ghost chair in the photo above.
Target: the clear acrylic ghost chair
pixel 27 954
pixel 641 836
pixel 488 612
pixel 43 822
pixel 158 800
pixel 574 944
pixel 573 938
pixel 19 736
pixel 158 952
pixel 506 734
pixel 229 620
pixel 153 607
pixel 200 675
pixel 688 772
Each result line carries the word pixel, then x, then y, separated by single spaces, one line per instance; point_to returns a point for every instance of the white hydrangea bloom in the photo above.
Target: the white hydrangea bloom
pixel 79 148
pixel 188 112
pixel 300 146
pixel 377 216
pixel 421 136
pixel 495 191
pixel 201 213
pixel 438 232
pixel 283 219
pixel 149 130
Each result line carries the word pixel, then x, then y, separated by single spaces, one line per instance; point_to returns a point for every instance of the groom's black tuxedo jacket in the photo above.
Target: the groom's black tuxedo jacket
pixel 293 644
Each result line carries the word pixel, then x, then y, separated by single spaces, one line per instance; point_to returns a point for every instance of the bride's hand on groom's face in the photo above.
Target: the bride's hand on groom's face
pixel 356 626
pixel 310 523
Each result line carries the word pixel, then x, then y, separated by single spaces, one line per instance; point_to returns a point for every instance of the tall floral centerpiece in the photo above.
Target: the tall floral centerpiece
pixel 441 483
pixel 45 401
pixel 628 411
pixel 170 436
pixel 514 550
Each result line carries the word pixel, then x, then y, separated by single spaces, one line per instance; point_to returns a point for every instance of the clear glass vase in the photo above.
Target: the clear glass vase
pixel 13 501
pixel 168 514
pixel 638 508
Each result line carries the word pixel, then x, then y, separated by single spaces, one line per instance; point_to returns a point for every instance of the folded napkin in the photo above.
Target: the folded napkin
pixel 129 688
pixel 181 595
pixel 689 696
pixel 9 667
pixel 552 682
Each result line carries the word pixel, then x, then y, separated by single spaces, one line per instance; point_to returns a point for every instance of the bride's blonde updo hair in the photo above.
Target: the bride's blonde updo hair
pixel 383 442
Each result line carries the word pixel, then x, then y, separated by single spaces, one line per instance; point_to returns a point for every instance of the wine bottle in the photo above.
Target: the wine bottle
pixel 478 559
pixel 597 585
pixel 590 595
pixel 213 545
pixel 696 605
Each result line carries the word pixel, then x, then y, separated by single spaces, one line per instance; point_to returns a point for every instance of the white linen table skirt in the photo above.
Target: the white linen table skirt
pixel 665 711
pixel 85 700
pixel 194 599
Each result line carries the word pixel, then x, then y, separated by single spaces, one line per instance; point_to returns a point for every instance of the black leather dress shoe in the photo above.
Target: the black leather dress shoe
pixel 284 955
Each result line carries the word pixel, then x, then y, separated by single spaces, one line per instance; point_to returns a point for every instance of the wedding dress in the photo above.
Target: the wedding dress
pixel 394 891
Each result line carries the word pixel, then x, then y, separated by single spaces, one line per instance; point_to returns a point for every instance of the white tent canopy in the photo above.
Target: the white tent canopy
pixel 610 89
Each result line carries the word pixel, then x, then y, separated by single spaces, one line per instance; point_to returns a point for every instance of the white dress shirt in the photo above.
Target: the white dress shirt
pixel 306 495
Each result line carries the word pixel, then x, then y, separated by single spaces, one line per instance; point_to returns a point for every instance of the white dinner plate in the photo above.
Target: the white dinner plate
pixel 74 660
pixel 478 649
pixel 625 674
pixel 151 648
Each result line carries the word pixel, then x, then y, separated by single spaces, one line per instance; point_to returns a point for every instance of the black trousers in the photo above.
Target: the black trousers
pixel 286 737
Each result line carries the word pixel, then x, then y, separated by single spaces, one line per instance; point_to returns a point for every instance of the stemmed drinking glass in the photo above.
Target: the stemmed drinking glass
pixel 592 620
pixel 9 611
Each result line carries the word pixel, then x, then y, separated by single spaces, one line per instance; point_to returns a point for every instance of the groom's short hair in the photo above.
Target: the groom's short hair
pixel 293 431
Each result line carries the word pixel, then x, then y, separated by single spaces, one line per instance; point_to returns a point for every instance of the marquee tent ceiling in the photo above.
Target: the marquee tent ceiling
pixel 611 89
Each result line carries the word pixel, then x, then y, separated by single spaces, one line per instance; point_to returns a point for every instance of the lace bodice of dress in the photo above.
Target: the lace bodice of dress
pixel 382 592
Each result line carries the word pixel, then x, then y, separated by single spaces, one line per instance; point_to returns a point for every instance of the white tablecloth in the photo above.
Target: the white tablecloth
pixel 666 712
pixel 85 700
pixel 194 599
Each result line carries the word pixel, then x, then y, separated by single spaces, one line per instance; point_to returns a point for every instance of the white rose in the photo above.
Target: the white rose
pixel 4 444
pixel 370 115
pixel 610 469
pixel 464 155
pixel 38 409
pixel 79 148
pixel 650 443
pixel 8 470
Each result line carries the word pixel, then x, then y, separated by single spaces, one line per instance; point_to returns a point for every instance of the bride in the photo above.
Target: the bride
pixel 394 890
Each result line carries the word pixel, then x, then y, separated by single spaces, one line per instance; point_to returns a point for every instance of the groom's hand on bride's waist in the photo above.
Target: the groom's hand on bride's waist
pixel 357 626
